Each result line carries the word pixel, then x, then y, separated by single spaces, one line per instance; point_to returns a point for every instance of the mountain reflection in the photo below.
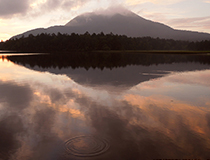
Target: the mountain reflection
pixel 160 117
pixel 112 70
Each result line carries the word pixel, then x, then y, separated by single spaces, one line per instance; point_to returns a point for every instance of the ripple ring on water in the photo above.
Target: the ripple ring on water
pixel 86 146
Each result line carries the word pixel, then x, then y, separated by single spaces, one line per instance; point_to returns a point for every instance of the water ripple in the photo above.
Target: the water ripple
pixel 86 146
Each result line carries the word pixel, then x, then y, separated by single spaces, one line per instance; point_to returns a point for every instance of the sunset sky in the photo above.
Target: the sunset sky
pixel 18 16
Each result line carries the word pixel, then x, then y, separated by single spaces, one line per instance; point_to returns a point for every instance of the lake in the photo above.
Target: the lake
pixel 110 107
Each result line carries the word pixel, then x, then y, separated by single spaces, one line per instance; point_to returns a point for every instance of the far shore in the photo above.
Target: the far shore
pixel 2 52
pixel 157 52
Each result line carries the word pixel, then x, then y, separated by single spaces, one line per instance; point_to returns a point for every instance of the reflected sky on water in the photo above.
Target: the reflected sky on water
pixel 135 112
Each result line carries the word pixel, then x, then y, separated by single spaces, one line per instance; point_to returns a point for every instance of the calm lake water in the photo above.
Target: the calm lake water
pixel 154 107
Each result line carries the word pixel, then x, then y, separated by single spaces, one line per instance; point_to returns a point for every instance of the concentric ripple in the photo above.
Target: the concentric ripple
pixel 86 146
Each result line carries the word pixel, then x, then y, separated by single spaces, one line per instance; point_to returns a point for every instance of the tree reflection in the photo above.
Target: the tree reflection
pixel 105 60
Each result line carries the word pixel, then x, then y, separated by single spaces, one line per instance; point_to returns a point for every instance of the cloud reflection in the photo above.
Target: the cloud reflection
pixel 16 96
pixel 145 122
pixel 10 126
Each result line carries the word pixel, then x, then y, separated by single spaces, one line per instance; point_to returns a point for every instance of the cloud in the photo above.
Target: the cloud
pixel 207 1
pixel 13 7
pixel 10 94
pixel 110 11
pixel 10 8
pixel 147 128
pixel 200 24
pixel 50 5
pixel 189 20
pixel 10 126
pixel 164 2
pixel 196 23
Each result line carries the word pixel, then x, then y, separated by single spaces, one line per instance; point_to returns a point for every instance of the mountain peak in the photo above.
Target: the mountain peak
pixel 109 12
pixel 113 11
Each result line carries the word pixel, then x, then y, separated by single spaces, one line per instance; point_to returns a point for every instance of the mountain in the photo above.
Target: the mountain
pixel 122 22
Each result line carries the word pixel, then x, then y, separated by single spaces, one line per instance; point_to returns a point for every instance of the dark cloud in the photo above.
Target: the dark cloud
pixel 55 95
pixel 52 4
pixel 10 126
pixel 12 7
pixel 43 121
pixel 15 96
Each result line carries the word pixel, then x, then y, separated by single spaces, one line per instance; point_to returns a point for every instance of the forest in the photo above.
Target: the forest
pixel 98 42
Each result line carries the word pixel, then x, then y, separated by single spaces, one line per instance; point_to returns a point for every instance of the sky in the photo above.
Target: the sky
pixel 18 16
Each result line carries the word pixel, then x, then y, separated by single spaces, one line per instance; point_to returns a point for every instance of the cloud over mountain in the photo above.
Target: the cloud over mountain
pixel 12 7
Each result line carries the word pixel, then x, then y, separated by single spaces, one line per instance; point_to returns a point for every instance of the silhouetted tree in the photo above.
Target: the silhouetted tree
pixel 86 42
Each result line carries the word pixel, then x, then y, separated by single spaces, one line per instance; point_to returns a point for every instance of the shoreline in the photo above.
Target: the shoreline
pixel 184 52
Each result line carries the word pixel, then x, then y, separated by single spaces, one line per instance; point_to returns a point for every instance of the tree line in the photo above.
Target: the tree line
pixel 92 42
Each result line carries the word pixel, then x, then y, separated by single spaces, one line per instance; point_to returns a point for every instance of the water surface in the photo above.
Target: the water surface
pixel 54 110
